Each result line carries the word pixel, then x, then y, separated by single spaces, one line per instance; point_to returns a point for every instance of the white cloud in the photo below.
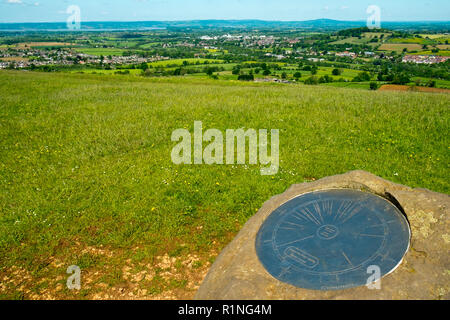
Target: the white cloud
pixel 14 1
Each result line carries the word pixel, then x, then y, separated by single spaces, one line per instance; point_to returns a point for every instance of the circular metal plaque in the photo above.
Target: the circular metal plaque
pixel 333 239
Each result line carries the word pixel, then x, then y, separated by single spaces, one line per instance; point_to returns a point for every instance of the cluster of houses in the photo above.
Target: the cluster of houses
pixel 346 54
pixel 27 58
pixel 272 80
pixel 263 40
pixel 424 59
pixel 252 40
pixel 276 56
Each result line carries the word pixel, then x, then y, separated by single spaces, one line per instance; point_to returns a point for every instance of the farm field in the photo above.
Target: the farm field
pixel 355 40
pixel 179 62
pixel 43 44
pixel 435 36
pixel 444 84
pixel 398 47
pixel 445 53
pixel 226 74
pixel 14 59
pixel 101 51
pixel 88 179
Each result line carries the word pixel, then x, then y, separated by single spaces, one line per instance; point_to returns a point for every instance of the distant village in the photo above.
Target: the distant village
pixel 285 48
pixel 425 59
pixel 24 58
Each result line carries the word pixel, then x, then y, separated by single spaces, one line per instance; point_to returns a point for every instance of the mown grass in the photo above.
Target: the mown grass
pixel 86 159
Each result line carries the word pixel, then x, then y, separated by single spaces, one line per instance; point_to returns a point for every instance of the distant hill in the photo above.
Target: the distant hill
pixel 317 25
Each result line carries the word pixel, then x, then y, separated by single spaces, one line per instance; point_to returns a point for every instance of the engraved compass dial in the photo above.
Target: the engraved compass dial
pixel 326 240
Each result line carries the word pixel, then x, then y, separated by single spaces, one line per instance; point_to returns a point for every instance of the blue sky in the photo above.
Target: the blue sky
pixel 141 10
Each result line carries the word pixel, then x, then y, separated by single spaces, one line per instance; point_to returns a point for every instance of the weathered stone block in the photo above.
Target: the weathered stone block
pixel 423 274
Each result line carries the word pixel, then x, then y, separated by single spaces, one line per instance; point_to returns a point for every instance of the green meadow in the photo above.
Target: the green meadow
pixel 179 62
pixel 87 177
pixel 101 51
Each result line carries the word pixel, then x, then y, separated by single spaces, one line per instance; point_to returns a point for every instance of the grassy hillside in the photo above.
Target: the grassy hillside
pixel 87 177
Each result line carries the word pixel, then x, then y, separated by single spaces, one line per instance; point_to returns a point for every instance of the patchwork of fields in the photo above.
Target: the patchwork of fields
pixel 87 177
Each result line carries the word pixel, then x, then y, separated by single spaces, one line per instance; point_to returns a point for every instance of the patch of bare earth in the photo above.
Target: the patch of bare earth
pixel 24 45
pixel 15 59
pixel 138 279
pixel 163 278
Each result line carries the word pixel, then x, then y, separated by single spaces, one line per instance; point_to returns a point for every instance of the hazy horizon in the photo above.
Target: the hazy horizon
pixel 262 20
pixel 51 11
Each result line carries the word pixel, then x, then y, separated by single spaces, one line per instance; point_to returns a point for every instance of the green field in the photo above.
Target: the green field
pixel 445 53
pixel 101 51
pixel 410 40
pixel 356 40
pixel 87 177
pixel 398 47
pixel 179 62
pixel 351 40
pixel 110 72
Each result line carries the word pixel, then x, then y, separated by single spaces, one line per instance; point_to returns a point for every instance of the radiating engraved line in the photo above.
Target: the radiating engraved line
pixel 298 240
pixel 338 210
pixel 284 271
pixel 287 228
pixel 311 216
pixel 346 258
pixel 330 210
pixel 342 208
pixel 375 225
pixel 294 224
pixel 317 208
pixel 355 211
pixel 372 235
pixel 298 215
pixel 325 207
pixel 303 215
pixel 348 210
pixel 349 207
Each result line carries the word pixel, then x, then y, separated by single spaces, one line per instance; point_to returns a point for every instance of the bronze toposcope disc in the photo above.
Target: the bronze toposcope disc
pixel 333 239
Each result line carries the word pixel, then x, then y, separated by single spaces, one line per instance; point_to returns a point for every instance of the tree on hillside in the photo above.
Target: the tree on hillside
pixel 246 77
pixel 312 80
pixel 363 76
pixel 325 79
pixel 431 83
pixel 336 72
pixel 373 86
pixel 143 66
pixel 400 78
